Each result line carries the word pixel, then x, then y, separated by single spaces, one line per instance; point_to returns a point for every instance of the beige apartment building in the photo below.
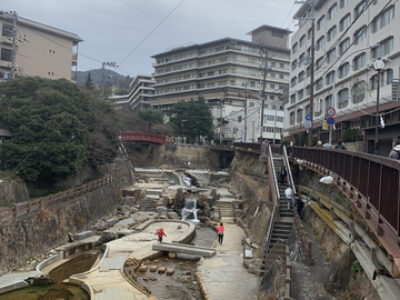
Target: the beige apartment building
pixel 227 72
pixel 350 36
pixel 40 50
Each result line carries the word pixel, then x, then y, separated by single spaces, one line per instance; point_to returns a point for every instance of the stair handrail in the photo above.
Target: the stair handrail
pixel 289 172
pixel 274 174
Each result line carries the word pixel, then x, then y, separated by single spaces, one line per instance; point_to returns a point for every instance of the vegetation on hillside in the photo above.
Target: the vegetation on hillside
pixel 192 119
pixel 57 129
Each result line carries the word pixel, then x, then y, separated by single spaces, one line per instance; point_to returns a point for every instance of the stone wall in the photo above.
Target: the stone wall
pixel 12 191
pixel 355 146
pixel 47 228
pixel 174 156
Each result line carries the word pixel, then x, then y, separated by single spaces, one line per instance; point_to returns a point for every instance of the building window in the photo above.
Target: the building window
pixel 294 64
pixel 383 19
pixel 282 65
pixel 301 59
pixel 332 11
pixel 344 70
pixel 281 76
pixel 344 46
pixel 272 85
pixel 319 84
pixel 293 81
pixel 302 40
pixel 300 94
pixel 343 98
pixel 7 30
pixel 239 119
pixel 321 22
pixel 330 78
pixel 328 102
pixel 359 62
pixel 292 98
pixel 389 76
pixel 345 22
pixel 291 118
pixel 320 43
pixel 360 35
pixel 332 33
pixel 6 54
pixel 343 3
pixel 331 56
pixel 360 8
pixel 373 82
pixel 299 115
pixel 309 33
pixel 384 48
pixel 358 92
pixel 301 76
pixel 294 48
pixel 319 63
pixel 317 107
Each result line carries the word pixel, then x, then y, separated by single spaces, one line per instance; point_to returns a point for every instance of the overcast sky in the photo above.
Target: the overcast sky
pixel 112 29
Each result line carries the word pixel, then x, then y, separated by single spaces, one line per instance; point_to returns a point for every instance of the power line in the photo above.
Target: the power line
pixel 151 32
pixel 288 15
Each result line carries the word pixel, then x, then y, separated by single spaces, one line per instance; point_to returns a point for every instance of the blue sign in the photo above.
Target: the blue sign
pixel 308 117
pixel 307 124
pixel 331 120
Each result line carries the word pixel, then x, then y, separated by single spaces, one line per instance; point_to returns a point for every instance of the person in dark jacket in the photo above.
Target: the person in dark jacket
pixel 282 176
pixel 340 146
pixel 299 204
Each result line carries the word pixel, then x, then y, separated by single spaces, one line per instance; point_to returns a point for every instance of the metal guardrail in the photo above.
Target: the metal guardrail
pixel 274 173
pixel 19 210
pixel 250 147
pixel 376 178
pixel 289 171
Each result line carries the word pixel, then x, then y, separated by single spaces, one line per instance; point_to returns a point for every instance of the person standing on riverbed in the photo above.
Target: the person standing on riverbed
pixel 220 231
pixel 160 233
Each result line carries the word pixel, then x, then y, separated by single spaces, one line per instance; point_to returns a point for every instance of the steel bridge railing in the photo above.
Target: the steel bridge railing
pixel 376 178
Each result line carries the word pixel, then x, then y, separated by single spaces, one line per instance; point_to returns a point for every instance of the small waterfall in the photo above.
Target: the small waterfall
pixel 189 211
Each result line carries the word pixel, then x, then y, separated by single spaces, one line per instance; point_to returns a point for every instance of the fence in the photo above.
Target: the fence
pixel 138 136
pixel 19 210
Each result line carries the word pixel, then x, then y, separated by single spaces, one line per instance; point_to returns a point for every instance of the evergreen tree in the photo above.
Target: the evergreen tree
pixel 192 119
pixel 89 82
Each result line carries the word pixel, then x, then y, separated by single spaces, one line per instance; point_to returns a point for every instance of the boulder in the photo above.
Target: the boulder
pixel 179 200
pixel 173 215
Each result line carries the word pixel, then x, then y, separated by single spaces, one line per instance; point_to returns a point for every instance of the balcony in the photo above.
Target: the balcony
pixel 5 40
pixel 5 64
pixel 73 76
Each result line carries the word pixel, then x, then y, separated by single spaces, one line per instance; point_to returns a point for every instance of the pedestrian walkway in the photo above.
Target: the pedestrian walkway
pixel 223 275
pixel 107 282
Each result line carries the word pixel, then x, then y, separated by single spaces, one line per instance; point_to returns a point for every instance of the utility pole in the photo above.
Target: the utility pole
pixel 220 121
pixel 14 44
pixel 311 3
pixel 378 65
pixel 245 114
pixel 103 64
pixel 265 69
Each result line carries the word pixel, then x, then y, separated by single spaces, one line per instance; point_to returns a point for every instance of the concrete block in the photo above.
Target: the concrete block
pixel 170 271
pixel 153 268
pixel 143 268
pixel 82 235
pixel 162 270
pixel 112 221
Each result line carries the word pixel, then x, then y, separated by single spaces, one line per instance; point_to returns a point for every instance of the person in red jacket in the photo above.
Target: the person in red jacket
pixel 220 231
pixel 160 233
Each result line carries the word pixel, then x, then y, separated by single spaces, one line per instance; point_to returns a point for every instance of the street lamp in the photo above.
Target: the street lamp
pixel 378 66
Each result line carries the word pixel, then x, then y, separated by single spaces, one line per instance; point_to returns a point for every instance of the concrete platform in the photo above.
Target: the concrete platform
pixel 184 248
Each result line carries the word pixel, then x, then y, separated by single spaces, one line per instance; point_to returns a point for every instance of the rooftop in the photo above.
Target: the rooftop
pixel 42 27
pixel 272 28
pixel 227 39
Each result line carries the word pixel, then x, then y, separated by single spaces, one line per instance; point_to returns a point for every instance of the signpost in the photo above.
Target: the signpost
pixel 308 124
pixel 308 117
pixel 330 121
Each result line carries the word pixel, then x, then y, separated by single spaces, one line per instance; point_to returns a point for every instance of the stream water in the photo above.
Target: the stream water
pixel 58 290
pixel 189 211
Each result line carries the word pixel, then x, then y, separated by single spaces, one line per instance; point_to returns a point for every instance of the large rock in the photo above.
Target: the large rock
pixel 173 215
pixel 339 274
pixel 215 216
pixel 179 200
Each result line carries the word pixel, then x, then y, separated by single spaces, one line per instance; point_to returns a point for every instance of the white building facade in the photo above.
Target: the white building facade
pixel 241 126
pixel 349 37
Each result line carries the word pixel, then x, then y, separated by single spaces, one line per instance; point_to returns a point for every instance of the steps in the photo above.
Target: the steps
pixel 225 208
pixel 149 203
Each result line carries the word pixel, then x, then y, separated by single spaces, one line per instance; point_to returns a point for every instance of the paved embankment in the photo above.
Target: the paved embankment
pixel 223 275
pixel 107 282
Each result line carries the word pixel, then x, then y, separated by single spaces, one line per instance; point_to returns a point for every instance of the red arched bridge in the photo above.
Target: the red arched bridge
pixel 370 182
pixel 144 137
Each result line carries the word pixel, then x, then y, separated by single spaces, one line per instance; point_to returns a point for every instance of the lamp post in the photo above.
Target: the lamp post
pixel 378 65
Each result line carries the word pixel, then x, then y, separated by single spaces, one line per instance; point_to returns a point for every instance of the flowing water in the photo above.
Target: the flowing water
pixel 189 211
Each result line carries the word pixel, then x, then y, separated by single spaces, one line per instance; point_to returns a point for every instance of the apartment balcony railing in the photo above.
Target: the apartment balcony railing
pixel 5 64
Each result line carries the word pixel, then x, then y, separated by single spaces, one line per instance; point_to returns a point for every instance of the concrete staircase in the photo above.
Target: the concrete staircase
pixel 149 203
pixel 225 206
pixel 281 227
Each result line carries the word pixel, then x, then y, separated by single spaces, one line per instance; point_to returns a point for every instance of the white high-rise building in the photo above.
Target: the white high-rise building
pixel 349 37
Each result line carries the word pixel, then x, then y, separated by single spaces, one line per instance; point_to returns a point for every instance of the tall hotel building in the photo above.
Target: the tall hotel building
pixel 226 72
pixel 349 37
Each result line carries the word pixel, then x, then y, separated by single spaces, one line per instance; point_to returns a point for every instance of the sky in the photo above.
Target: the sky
pixel 129 32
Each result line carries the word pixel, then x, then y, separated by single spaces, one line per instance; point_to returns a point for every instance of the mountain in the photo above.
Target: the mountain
pixel 110 78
